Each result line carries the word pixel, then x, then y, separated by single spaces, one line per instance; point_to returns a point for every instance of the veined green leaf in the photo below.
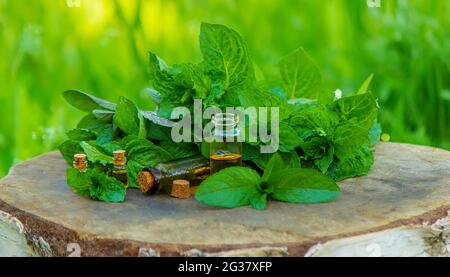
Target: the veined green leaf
pixel 79 182
pixel 356 163
pixel 94 155
pixel 127 117
pixel 107 188
pixel 274 165
pixel 68 149
pixel 229 188
pixel 303 186
pixel 87 102
pixel 92 123
pixel 225 54
pixel 365 85
pixel 81 134
pixel 144 151
pixel 300 75
pixel 104 115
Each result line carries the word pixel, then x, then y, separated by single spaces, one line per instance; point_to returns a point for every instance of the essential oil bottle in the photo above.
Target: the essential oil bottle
pixel 225 150
pixel 80 162
pixel 160 177
pixel 120 171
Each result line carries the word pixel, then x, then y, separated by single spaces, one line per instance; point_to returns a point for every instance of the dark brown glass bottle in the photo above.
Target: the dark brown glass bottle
pixel 159 178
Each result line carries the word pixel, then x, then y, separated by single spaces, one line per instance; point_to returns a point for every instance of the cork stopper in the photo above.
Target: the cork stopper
pixel 80 162
pixel 181 189
pixel 119 158
pixel 146 181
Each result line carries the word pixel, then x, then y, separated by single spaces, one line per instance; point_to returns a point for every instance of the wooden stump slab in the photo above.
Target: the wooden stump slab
pixel 400 208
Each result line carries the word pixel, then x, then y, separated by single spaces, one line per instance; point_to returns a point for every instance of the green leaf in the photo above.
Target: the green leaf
pixel 79 182
pixel 314 121
pixel 107 188
pixel 363 107
pixel 127 117
pixel 289 140
pixel 104 115
pixel 226 55
pixel 105 136
pixel 229 188
pixel 86 102
pixel 356 163
pixel 258 201
pixel 94 155
pixel 90 122
pixel 160 79
pixel 303 186
pixel 81 134
pixel 134 168
pixel 375 133
pixel 144 151
pixel 180 150
pixel 365 85
pixel 300 75
pixel 325 159
pixel 274 165
pixel 68 149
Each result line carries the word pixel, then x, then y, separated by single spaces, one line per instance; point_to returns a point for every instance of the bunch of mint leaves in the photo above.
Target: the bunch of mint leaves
pixel 322 137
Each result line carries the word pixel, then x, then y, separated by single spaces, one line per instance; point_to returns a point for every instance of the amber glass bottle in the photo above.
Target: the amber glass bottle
pixel 225 150
pixel 120 171
pixel 80 162
pixel 160 177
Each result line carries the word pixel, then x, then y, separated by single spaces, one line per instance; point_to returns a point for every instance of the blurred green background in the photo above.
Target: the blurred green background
pixel 100 46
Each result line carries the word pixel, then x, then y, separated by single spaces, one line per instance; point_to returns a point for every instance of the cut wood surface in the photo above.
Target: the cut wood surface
pixel 397 207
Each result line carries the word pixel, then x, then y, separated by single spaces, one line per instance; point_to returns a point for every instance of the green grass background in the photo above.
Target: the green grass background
pixel 48 46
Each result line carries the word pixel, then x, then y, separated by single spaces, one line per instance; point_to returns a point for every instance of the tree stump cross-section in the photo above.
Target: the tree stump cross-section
pixel 399 209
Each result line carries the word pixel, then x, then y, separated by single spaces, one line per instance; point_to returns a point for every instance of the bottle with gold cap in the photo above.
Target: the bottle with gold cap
pixel 80 162
pixel 120 171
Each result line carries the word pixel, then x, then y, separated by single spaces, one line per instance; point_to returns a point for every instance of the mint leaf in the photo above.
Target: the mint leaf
pixel 300 75
pixel 127 117
pixel 107 188
pixel 258 201
pixel 90 122
pixel 144 151
pixel 79 182
pixel 289 140
pixel 87 102
pixel 229 188
pixel 94 155
pixel 81 134
pixel 303 186
pixel 105 136
pixel 226 55
pixel 134 168
pixel 362 107
pixel 274 165
pixel 180 150
pixel 103 115
pixel 356 163
pixel 160 79
pixel 365 85
pixel 375 133
pixel 68 149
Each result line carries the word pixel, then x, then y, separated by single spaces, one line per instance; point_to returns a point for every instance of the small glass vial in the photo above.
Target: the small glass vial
pixel 80 162
pixel 120 171
pixel 225 150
